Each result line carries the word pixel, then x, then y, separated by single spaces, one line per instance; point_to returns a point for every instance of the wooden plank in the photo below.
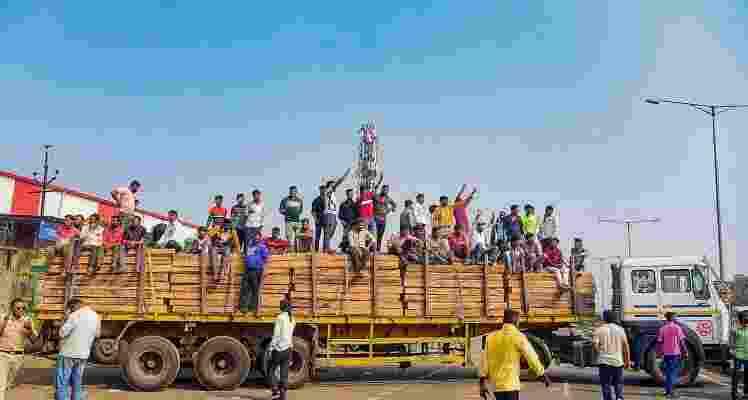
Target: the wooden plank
pixel 315 286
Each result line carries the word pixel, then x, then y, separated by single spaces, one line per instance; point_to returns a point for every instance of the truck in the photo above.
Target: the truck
pixel 174 314
pixel 642 290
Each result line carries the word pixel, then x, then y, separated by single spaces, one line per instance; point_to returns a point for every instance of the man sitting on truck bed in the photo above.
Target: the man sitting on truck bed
pixel 362 243
pixel 554 262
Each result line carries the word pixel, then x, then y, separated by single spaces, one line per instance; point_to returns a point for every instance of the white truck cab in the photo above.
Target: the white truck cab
pixel 652 286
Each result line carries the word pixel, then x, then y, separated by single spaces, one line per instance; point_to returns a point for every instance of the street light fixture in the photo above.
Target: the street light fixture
pixel 712 110
pixel 46 180
pixel 628 222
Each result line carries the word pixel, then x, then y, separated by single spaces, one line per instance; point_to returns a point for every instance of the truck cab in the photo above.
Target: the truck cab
pixel 645 288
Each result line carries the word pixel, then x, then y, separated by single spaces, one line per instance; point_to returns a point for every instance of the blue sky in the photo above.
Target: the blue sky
pixel 539 103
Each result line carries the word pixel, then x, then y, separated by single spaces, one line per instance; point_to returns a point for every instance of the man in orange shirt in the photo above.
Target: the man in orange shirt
pixel 217 210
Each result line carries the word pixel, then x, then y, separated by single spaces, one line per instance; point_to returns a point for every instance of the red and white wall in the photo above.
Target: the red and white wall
pixel 19 195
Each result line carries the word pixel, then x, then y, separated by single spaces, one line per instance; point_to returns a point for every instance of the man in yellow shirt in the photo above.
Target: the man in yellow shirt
pixel 443 216
pixel 500 361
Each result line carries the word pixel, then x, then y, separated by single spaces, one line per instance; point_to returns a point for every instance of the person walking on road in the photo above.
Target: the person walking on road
pixel 612 348
pixel 15 328
pixel 77 334
pixel 500 361
pixel 280 346
pixel 669 343
pixel 739 343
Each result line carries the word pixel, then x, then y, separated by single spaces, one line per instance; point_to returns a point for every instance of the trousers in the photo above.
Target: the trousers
pixel 10 365
pixel 69 374
pixel 611 378
pixel 250 290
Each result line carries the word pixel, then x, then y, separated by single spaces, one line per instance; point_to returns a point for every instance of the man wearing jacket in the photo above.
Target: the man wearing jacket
pixel 255 258
pixel 291 208
pixel 500 361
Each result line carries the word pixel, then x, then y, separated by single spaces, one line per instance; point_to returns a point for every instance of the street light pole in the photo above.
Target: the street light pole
pixel 46 179
pixel 712 110
pixel 627 223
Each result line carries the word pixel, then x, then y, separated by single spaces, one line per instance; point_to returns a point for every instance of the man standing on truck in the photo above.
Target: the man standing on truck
pixel 256 256
pixel 239 216
pixel 256 218
pixel 126 199
pixel 383 206
pixel 81 327
pixel 669 339
pixel 291 208
pixel 15 327
pixel 612 348
pixel 500 361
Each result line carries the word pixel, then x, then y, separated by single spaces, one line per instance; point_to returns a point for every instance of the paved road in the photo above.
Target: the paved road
pixel 438 383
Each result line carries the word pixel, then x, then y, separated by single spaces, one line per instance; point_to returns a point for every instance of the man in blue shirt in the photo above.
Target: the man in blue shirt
pixel 256 256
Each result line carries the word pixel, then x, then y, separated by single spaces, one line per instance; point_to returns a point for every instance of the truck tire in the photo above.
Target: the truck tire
pixel 151 362
pixel 542 349
pixel 300 362
pixel 689 365
pixel 105 351
pixel 222 363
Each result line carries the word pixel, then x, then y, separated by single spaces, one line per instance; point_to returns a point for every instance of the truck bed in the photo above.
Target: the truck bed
pixel 175 287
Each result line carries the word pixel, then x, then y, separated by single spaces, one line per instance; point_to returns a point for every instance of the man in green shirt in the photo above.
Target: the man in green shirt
pixel 739 342
pixel 291 208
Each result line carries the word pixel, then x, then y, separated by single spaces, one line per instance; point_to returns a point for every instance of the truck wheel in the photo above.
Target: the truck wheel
pixel 152 362
pixel 105 351
pixel 299 364
pixel 541 348
pixel 222 363
pixel 690 362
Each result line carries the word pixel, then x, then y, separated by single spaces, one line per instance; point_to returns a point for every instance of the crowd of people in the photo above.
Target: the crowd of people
pixel 438 234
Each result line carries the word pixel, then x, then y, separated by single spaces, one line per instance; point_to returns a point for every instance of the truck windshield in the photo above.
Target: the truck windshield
pixel 676 281
pixel 643 281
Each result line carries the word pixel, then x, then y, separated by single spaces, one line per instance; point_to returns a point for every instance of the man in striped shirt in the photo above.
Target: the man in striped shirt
pixel 239 216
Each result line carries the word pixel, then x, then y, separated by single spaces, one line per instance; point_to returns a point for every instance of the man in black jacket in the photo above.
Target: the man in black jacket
pixel 347 214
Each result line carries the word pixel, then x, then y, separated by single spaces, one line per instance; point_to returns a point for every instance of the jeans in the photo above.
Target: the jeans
pixel 381 224
pixel 119 255
pixel 250 290
pixel 611 378
pixel 241 232
pixel 671 367
pixel 69 373
pixel 317 234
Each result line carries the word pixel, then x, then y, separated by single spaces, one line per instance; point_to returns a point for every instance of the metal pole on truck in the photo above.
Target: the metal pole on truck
pixel 712 110
pixel 627 222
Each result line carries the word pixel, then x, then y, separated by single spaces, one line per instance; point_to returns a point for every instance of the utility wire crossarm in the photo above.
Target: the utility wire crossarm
pixel 628 222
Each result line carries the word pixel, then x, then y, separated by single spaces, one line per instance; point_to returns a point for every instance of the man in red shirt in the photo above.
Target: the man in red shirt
pixel 366 205
pixel 458 242
pixel 554 262
pixel 113 236
pixel 276 244
pixel 67 242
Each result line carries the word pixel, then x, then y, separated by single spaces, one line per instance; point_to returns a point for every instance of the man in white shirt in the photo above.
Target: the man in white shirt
pixel 423 217
pixel 173 234
pixel 256 215
pixel 481 244
pixel 81 327
pixel 92 238
pixel 280 347
pixel 612 347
